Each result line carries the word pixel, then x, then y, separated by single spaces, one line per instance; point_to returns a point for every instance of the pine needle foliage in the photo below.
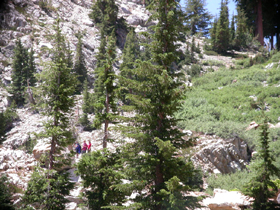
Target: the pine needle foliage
pixel 159 177
pixel 105 104
pixel 261 187
pixel 7 117
pixel 80 66
pixel 199 17
pixel 5 194
pixel 222 31
pixel 105 15
pixel 47 190
pixel 131 53
pixel 57 88
pixel 102 176
pixel 23 73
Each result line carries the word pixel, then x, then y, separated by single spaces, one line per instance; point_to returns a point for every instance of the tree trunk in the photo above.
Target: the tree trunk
pixel 106 121
pixel 158 184
pixel 259 22
pixel 271 41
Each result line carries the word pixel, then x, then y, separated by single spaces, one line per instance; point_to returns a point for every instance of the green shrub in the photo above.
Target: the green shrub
pixel 240 56
pixel 212 63
pixel 5 194
pixel 260 58
pixel 234 181
pixel 276 57
pixel 210 52
pixel 7 118
pixel 46 5
pixel 194 70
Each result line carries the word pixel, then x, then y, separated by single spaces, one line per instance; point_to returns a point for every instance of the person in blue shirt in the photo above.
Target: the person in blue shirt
pixel 78 149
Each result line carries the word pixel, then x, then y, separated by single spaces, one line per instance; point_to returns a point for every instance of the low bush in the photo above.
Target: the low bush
pixel 194 70
pixel 212 63
pixel 231 182
pixel 276 57
pixel 7 118
pixel 210 52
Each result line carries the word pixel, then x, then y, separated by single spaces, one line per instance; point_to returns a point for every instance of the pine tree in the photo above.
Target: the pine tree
pixel 222 31
pixel 47 190
pixel 58 84
pixel 151 161
pixel 105 106
pixel 232 30
pixel 23 73
pixel 261 187
pixel 199 16
pixel 80 66
pixel 58 87
pixel 86 107
pixel 242 30
pixel 105 15
pixel 131 53
pixel 213 33
pixel 102 176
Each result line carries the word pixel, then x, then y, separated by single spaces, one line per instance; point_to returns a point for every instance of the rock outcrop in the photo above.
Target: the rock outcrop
pixel 216 155
pixel 32 23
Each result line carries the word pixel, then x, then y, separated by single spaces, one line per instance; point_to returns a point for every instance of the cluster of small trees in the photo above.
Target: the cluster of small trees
pixel 235 35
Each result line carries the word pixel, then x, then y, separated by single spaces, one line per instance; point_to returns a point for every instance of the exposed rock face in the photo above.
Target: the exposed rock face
pixel 17 165
pixel 225 200
pixel 26 20
pixel 220 156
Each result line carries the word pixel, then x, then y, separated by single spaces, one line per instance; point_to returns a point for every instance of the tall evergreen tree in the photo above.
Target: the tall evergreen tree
pixel 23 73
pixel 213 33
pixel 57 88
pixel 152 163
pixel 261 187
pixel 87 107
pixel 254 13
pixel 80 66
pixel 105 106
pixel 105 15
pixel 242 30
pixel 199 17
pixel 131 53
pixel 222 31
pixel 232 29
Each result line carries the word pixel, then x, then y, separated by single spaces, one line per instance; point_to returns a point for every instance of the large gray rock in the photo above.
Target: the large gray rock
pixel 220 156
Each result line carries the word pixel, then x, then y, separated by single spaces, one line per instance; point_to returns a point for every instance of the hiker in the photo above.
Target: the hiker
pixel 78 149
pixel 85 146
pixel 89 146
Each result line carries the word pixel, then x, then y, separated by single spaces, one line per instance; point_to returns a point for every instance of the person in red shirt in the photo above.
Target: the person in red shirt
pixel 89 145
pixel 85 146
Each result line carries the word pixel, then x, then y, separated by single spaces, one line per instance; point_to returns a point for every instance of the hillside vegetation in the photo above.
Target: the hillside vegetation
pixel 226 101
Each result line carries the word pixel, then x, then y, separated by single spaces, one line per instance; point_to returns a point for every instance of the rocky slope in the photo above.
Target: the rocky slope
pixel 26 20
